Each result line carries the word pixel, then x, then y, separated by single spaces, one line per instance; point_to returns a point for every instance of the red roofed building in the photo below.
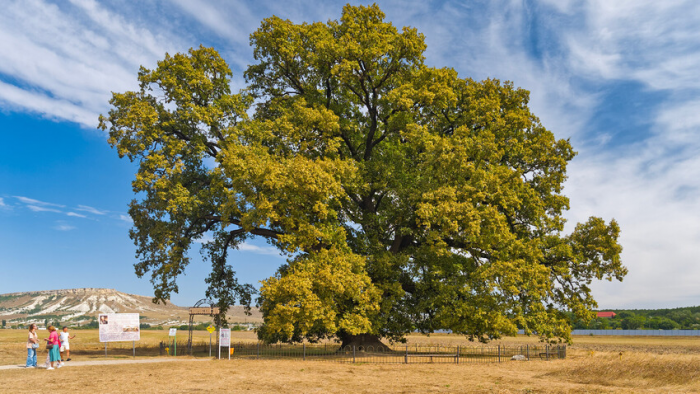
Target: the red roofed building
pixel 607 314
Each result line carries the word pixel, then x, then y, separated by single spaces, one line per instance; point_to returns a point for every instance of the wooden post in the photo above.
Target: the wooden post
pixel 499 353
pixel 528 352
pixel 353 353
pixel 304 346
pixel 406 356
pixel 457 354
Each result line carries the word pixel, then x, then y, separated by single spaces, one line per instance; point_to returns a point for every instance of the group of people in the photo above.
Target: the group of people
pixel 56 343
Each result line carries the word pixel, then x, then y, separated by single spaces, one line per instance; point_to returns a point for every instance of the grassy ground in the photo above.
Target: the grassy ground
pixel 593 365
pixel 601 374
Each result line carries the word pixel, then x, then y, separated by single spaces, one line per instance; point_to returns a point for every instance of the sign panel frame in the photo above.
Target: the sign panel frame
pixel 225 341
pixel 119 327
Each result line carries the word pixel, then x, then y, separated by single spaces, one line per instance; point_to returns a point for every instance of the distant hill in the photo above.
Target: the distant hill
pixel 80 306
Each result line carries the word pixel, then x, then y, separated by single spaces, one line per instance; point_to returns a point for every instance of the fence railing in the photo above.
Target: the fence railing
pixel 398 354
pixel 407 354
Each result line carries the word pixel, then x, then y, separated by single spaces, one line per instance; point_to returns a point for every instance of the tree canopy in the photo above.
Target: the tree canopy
pixel 404 197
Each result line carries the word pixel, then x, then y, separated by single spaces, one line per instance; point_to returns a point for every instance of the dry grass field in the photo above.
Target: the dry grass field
pixel 594 365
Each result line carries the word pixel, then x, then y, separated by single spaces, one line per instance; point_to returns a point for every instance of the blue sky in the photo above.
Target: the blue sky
pixel 620 79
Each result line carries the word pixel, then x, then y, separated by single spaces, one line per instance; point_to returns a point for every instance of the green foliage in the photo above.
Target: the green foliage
pixel 4 298
pixel 91 325
pixel 47 317
pixel 405 197
pixel 651 319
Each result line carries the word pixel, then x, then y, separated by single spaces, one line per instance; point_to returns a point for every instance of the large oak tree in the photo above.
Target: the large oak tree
pixel 405 197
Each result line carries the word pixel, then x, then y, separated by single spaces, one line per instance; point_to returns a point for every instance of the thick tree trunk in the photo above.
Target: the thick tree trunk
pixel 362 340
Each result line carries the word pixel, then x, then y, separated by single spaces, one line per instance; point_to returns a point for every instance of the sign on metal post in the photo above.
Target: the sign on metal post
pixel 225 341
pixel 173 333
pixel 211 329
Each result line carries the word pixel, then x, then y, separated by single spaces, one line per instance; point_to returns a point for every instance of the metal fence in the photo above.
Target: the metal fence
pixel 411 354
pixel 405 354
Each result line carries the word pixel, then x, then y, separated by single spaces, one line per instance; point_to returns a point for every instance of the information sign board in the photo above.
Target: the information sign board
pixel 211 329
pixel 225 340
pixel 225 337
pixel 172 332
pixel 119 327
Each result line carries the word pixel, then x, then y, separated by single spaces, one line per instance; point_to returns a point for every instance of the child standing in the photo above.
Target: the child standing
pixel 65 346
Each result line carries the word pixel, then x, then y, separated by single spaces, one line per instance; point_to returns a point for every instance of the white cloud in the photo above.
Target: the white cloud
pixel 64 227
pixel 77 215
pixel 266 250
pixel 654 42
pixel 92 210
pixel 32 201
pixel 52 108
pixel 650 185
pixel 42 209
pixel 245 247
pixel 493 46
pixel 232 21
pixel 2 202
pixel 652 189
pixel 67 58
pixel 126 218
pixel 205 238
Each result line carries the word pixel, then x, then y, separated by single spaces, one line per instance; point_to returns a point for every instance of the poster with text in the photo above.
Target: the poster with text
pixel 119 327
pixel 225 337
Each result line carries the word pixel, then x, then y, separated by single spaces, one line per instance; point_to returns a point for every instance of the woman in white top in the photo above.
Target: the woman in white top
pixel 32 345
